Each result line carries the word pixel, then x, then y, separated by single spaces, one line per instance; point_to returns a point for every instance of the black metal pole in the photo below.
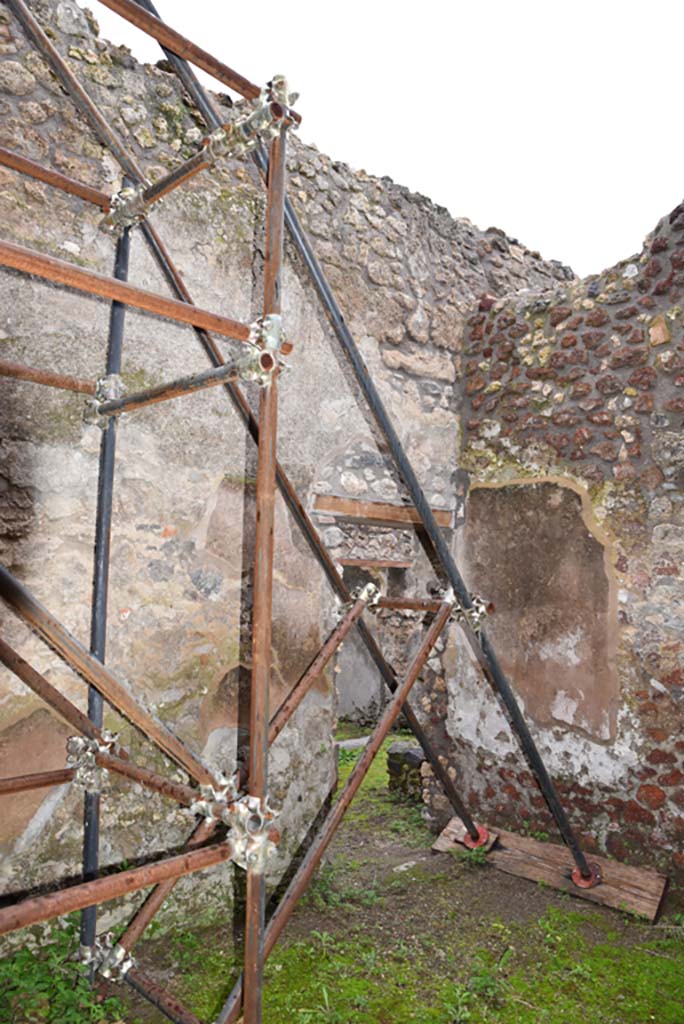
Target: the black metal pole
pixel 331 574
pixel 478 642
pixel 199 96
pixel 98 621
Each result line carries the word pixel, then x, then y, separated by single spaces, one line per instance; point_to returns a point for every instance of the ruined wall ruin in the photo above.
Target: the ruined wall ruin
pixel 574 527
pixel 183 516
pixel 474 393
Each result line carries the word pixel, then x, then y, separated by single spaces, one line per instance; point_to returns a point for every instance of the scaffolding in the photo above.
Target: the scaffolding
pixel 233 820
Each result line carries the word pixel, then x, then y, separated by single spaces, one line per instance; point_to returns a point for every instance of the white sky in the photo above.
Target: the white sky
pixel 559 122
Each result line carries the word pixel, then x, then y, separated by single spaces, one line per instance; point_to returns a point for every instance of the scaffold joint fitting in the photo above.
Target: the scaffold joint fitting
pixel 111 959
pixel 127 209
pixel 82 756
pixel 267 341
pixel 369 594
pixel 213 800
pixel 475 615
pixel 106 390
pixel 251 832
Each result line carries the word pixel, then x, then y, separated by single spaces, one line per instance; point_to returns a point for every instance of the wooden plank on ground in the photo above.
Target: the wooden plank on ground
pixel 380 513
pixel 455 833
pixel 637 890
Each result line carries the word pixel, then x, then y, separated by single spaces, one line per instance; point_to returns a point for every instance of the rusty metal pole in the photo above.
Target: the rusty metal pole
pixel 46 377
pixel 306 681
pixel 54 178
pixel 47 692
pixel 39 780
pixel 160 997
pixel 107 137
pixel 95 673
pixel 114 758
pixel 61 272
pixel 110 887
pixel 160 894
pixel 183 47
pixel 278 722
pixel 263 584
pixel 231 1008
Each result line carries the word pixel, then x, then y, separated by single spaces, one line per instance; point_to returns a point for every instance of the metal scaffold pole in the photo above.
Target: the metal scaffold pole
pixel 216 803
pixel 98 619
pixel 263 584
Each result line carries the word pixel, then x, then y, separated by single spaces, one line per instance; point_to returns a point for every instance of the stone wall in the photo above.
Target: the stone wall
pixel 405 272
pixel 574 528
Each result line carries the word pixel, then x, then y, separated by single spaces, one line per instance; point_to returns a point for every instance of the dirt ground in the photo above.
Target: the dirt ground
pixel 391 933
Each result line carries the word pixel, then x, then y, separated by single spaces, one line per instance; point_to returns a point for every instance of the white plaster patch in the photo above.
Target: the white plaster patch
pixel 406 866
pixel 474 715
pixel 220 750
pixel 562 649
pixel 564 707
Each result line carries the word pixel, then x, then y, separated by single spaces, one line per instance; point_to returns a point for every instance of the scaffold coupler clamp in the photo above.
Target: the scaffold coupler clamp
pixel 214 800
pixel 82 754
pixel 111 959
pixel 368 593
pixel 271 111
pixel 127 209
pixel 475 615
pixel 106 390
pixel 252 836
pixel 278 91
pixel 267 342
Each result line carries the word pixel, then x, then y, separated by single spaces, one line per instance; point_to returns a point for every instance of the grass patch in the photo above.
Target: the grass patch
pixel 436 942
pixel 375 808
pixel 47 985
pixel 351 730
pixel 549 973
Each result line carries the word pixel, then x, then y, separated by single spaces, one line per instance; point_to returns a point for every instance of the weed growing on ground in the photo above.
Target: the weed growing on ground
pixel 348 755
pixel 49 986
pixel 476 858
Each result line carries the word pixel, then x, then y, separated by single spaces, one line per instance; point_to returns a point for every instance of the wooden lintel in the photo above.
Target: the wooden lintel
pixel 377 513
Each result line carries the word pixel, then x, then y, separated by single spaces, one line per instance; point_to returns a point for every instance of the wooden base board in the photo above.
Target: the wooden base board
pixel 454 833
pixel 639 891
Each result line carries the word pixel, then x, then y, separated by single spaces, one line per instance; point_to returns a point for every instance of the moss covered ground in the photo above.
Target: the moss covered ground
pixel 391 934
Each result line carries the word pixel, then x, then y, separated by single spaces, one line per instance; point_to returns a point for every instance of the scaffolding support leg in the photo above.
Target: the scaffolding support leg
pixel 231 1008
pixel 98 620
pixel 263 586
pixel 478 642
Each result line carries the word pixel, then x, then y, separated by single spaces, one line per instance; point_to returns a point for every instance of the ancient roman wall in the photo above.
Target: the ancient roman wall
pixel 573 461
pixel 404 271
